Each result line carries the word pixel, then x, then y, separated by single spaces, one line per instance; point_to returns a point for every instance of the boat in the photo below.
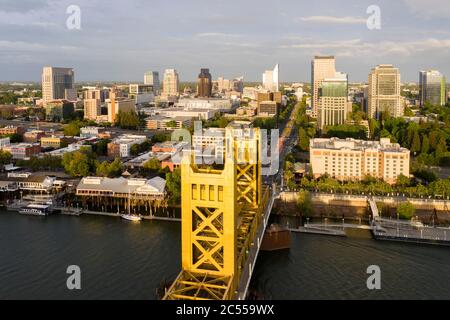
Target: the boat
pixel 131 217
pixel 35 210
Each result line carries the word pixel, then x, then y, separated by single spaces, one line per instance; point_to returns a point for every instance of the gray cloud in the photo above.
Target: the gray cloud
pixel 22 5
pixel 119 40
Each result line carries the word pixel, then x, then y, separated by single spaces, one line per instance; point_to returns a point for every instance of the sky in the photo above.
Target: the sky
pixel 121 39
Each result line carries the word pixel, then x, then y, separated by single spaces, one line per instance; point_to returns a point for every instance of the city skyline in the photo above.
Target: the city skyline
pixel 414 36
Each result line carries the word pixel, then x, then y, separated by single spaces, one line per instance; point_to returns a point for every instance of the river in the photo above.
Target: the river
pixel 125 260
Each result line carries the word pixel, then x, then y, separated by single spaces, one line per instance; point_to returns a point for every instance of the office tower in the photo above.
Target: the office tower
pixel 322 67
pixel 152 78
pixel 237 84
pixel 170 83
pixel 92 109
pixel 333 103
pixel 432 88
pixel 271 78
pixel 384 92
pixel 58 83
pixel 204 85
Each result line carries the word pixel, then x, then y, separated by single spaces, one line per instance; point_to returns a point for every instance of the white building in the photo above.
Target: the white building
pixel 222 105
pixel 177 112
pixel 170 83
pixel 124 144
pixel 271 79
pixel 108 187
pixel 5 142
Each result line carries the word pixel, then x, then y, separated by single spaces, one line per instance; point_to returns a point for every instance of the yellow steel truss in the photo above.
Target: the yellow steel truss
pixel 221 210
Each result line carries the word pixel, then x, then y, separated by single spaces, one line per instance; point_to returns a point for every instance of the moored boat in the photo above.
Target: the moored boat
pixel 131 217
pixel 35 210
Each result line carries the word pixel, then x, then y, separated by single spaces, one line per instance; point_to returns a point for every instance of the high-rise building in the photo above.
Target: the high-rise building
pixel 432 88
pixel 58 83
pixel 271 79
pixel 204 85
pixel 152 78
pixel 333 101
pixel 170 83
pixel 223 85
pixel 92 109
pixel 237 84
pixel 322 67
pixel 384 92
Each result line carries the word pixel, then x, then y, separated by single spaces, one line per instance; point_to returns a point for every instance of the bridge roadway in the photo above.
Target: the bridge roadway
pixel 247 272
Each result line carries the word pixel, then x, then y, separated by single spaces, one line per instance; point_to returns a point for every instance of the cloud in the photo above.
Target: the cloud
pixel 332 20
pixel 22 5
pixel 359 48
pixel 217 34
pixel 429 8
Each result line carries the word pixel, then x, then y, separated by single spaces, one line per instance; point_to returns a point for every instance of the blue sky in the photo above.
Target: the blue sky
pixel 119 40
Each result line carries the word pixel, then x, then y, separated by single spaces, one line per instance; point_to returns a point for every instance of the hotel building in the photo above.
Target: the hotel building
pixel 349 159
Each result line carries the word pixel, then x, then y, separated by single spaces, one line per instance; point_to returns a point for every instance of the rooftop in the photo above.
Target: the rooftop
pixel 121 185
pixel 358 145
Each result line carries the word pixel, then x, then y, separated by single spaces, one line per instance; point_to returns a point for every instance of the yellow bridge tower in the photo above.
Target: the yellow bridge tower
pixel 221 211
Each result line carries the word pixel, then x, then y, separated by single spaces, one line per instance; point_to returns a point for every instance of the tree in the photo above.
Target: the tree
pixel 173 184
pixel 425 144
pixel 111 170
pixel 5 157
pixel 128 120
pixel 304 203
pixel 415 144
pixel 441 147
pixel 403 181
pixel 13 138
pixel 101 147
pixel 134 150
pixel 171 124
pixel 77 164
pixel 160 137
pixel 73 128
pixel 346 131
pixel 303 140
pixel 153 165
pixel 406 210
